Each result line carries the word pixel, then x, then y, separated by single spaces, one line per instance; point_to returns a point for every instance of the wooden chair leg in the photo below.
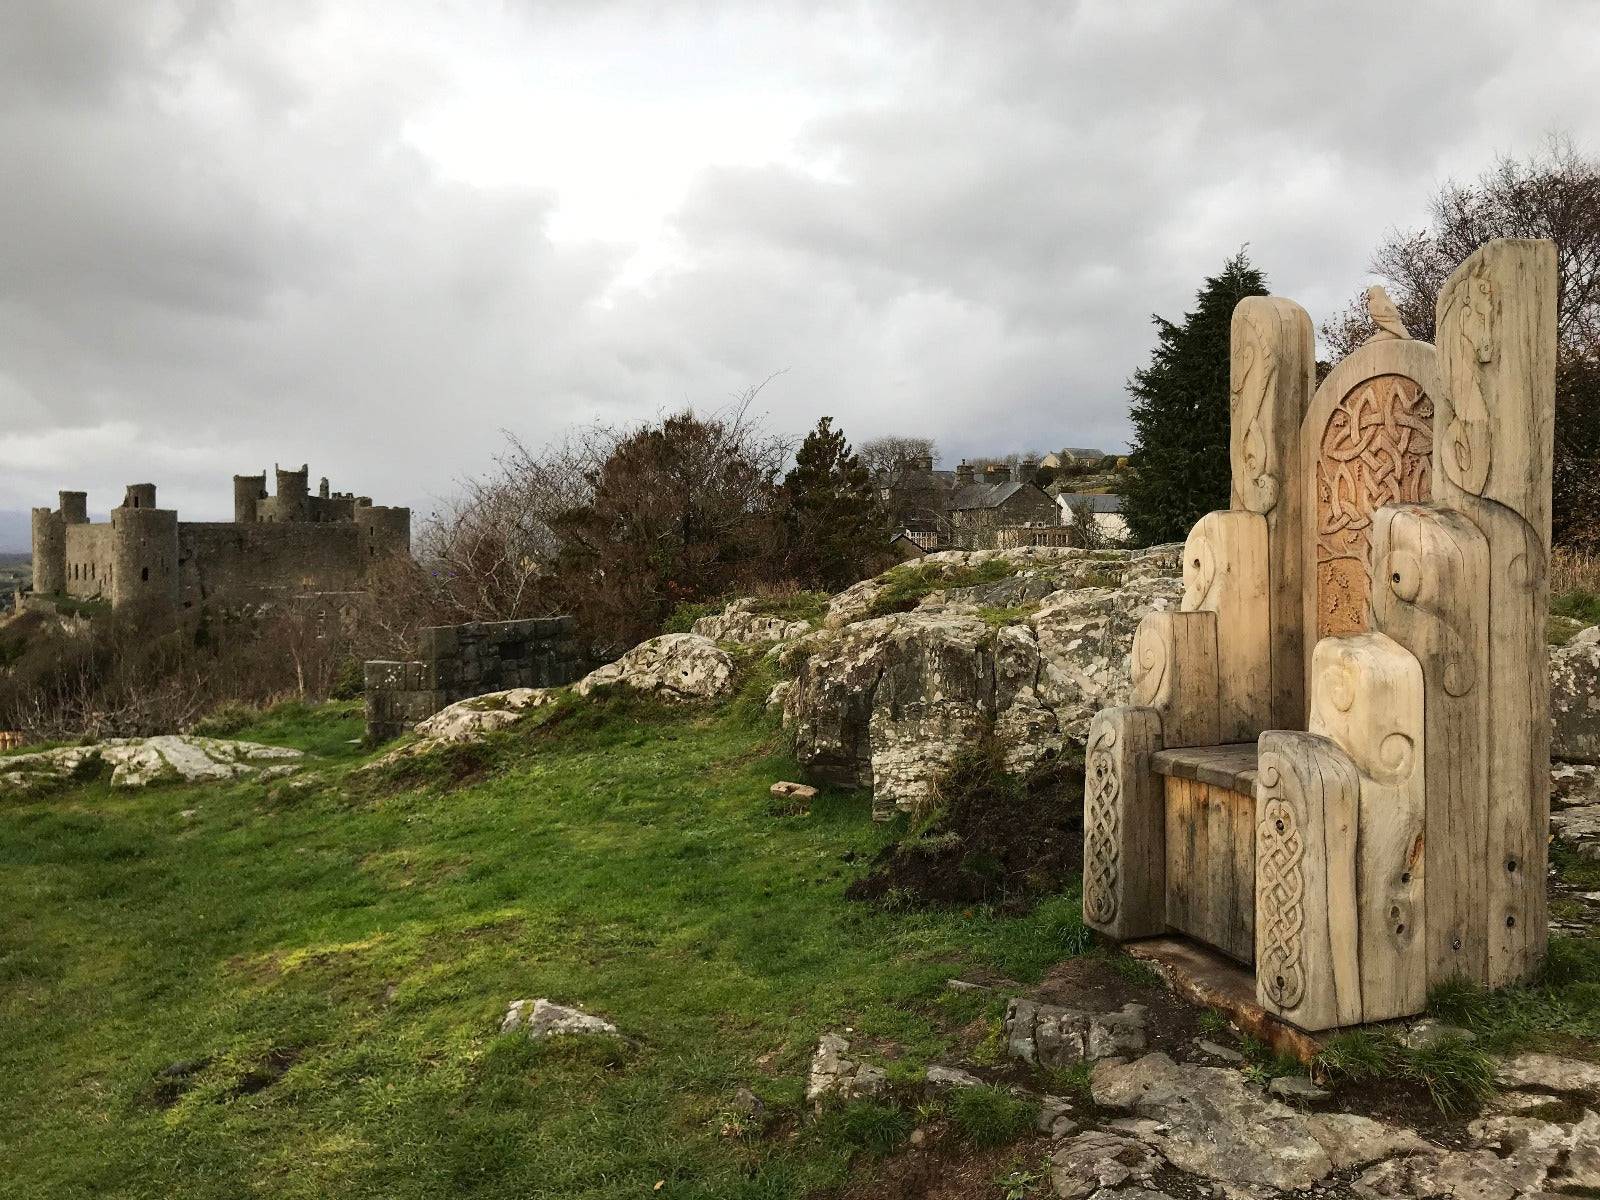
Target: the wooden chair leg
pixel 1124 826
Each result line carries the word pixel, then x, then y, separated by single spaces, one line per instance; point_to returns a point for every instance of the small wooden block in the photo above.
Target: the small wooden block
pixel 1175 673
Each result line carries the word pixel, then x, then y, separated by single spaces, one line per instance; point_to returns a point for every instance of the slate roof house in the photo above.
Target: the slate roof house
pixel 1107 512
pixel 1003 496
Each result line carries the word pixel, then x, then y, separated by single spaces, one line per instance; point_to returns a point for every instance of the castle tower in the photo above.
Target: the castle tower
pixel 385 530
pixel 74 508
pixel 247 490
pixel 140 495
pixel 293 490
pixel 49 552
pixel 144 554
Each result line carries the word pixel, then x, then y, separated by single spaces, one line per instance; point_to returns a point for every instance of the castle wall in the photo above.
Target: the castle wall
pixel 460 661
pixel 221 559
pixel 90 561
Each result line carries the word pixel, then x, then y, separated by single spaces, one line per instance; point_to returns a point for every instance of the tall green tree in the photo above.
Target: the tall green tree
pixel 1179 467
pixel 834 517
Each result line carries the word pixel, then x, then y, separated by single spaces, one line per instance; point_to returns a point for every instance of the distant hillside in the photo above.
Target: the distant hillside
pixel 16 535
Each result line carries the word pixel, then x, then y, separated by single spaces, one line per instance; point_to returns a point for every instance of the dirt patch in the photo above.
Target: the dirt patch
pixel 263 1075
pixel 945 1167
pixel 991 838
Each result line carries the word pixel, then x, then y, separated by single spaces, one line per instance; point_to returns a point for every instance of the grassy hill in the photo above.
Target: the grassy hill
pixel 295 990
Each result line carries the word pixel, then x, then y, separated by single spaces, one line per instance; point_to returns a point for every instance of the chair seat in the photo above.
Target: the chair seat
pixel 1232 766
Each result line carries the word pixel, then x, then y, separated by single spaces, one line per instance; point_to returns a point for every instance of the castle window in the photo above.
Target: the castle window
pixel 145 574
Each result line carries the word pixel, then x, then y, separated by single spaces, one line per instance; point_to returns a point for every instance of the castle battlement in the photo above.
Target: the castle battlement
pixel 284 543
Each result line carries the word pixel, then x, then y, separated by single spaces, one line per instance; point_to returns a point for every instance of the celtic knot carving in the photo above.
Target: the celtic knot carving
pixel 1376 449
pixel 1280 891
pixel 1102 858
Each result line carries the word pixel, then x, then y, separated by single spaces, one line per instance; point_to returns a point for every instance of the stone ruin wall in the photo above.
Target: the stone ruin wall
pixel 456 662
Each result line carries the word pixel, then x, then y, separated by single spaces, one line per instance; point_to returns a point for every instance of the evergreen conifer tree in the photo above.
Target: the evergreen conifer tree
pixel 837 526
pixel 1179 463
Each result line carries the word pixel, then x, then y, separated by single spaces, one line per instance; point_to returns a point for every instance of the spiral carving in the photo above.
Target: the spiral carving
pixel 1254 377
pixel 1469 319
pixel 1199 570
pixel 1151 662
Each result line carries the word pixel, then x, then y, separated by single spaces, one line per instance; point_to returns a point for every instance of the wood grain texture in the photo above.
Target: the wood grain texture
pixel 1175 673
pixel 1228 766
pixel 1367 698
pixel 1124 825
pixel 1211 865
pixel 1430 594
pixel 1307 919
pixel 1360 448
pixel 1225 571
pixel 1272 374
pixel 1497 345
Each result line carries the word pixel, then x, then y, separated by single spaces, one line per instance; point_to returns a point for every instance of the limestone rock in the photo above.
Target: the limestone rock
pixel 1083 1165
pixel 1221 1053
pixel 784 790
pixel 834 1073
pixel 674 666
pixel 1218 1125
pixel 886 701
pixel 1574 785
pixel 1297 1089
pixel 468 720
pixel 739 624
pixel 1351 1140
pixel 1468 1175
pixel 1580 826
pixel 1430 1032
pixel 140 762
pixel 1052 1036
pixel 541 1019
pixel 1575 699
pixel 952 1077
pixel 1055 1117
pixel 1549 1073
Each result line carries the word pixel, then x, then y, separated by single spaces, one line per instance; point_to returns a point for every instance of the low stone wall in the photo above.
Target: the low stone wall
pixel 459 661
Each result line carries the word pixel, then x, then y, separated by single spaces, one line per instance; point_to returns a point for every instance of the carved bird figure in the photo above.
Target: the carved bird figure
pixel 1385 315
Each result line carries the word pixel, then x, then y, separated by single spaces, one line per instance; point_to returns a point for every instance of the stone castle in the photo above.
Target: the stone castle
pixel 290 543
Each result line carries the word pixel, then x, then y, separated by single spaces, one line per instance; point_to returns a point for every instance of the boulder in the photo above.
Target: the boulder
pixel 1217 1124
pixel 740 625
pixel 1575 698
pixel 834 1073
pixel 140 762
pixel 1549 1073
pixel 468 720
pixel 886 701
pixel 952 1077
pixel 1049 1035
pixel 1094 1160
pixel 674 666
pixel 541 1018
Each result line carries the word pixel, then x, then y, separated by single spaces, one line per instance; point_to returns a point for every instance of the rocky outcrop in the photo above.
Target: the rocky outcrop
pixel 140 762
pixel 1575 698
pixel 674 666
pixel 887 701
pixel 469 720
pixel 740 624
pixel 1051 1036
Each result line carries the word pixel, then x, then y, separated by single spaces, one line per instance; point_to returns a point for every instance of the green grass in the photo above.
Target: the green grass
pixel 1577 606
pixel 792 606
pixel 905 586
pixel 297 993
pixel 1457 1074
pixel 991 1116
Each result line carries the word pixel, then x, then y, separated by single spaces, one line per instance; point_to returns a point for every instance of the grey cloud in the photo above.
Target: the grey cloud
pixel 220 244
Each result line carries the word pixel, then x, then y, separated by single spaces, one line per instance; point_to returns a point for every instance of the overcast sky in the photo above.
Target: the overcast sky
pixel 374 235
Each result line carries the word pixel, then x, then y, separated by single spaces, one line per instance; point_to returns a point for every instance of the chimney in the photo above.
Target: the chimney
pixel 1027 471
pixel 963 473
pixel 925 462
pixel 996 473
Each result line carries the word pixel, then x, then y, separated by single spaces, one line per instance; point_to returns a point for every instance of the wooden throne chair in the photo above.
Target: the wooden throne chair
pixel 1335 770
